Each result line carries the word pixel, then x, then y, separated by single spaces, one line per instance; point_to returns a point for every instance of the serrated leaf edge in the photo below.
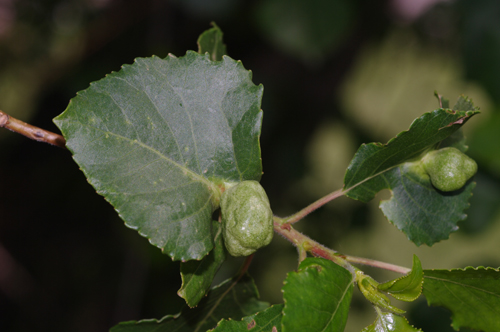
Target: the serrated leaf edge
pixel 385 286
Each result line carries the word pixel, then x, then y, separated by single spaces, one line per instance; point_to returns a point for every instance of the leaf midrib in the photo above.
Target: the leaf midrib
pixel 185 170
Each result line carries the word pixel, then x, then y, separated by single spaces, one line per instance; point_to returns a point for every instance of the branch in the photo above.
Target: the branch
pixel 303 242
pixel 319 203
pixel 300 240
pixel 35 133
pixel 379 264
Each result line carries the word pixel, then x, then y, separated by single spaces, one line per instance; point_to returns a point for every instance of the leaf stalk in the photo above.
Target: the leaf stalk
pixel 30 131
pixel 314 206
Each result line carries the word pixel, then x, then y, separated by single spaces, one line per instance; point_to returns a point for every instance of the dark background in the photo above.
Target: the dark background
pixel 336 74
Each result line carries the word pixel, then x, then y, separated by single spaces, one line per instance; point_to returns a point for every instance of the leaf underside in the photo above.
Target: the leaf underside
pixel 317 297
pixel 230 299
pixel 157 138
pixel 472 295
pixel 425 214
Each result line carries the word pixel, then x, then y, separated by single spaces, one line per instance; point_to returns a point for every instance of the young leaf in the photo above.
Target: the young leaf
pixel 317 297
pixel 211 42
pixel 409 287
pixel 369 288
pixel 161 136
pixel 389 322
pixel 229 299
pixel 268 320
pixel 472 295
pixel 457 139
pixel 197 276
pixel 424 214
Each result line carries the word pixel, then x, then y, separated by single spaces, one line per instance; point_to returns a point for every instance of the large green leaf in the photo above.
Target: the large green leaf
pixel 317 297
pixel 230 299
pixel 197 276
pixel 423 213
pixel 389 322
pixel 472 295
pixel 268 320
pixel 159 139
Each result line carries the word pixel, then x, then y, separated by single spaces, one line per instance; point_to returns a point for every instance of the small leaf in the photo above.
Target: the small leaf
pixel 423 213
pixel 472 295
pixel 464 104
pixel 443 102
pixel 389 322
pixel 197 276
pixel 268 320
pixel 369 288
pixel 317 297
pixel 160 138
pixel 229 299
pixel 457 139
pixel 211 42
pixel 409 287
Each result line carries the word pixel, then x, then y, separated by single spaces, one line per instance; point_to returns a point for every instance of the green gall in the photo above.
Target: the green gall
pixel 247 219
pixel 449 168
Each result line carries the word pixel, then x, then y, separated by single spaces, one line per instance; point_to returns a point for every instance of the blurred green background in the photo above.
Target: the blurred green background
pixel 336 73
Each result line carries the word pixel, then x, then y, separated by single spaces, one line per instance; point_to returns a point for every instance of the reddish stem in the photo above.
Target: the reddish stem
pixel 374 263
pixel 305 243
pixel 319 203
pixel 300 240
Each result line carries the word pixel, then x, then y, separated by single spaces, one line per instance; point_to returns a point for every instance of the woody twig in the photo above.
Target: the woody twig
pixel 35 133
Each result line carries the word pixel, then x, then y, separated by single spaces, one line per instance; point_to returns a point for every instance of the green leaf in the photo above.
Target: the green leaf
pixel 443 102
pixel 197 276
pixel 409 287
pixel 160 138
pixel 230 299
pixel 211 42
pixel 389 322
pixel 464 104
pixel 369 288
pixel 423 213
pixel 371 161
pixel 317 297
pixel 472 295
pixel 268 320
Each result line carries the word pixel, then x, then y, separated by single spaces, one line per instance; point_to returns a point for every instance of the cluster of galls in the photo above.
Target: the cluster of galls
pixel 247 218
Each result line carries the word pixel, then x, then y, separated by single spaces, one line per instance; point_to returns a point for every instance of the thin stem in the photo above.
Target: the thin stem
pixel 300 240
pixel 35 133
pixel 306 244
pixel 319 203
pixel 244 267
pixel 241 273
pixel 379 264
